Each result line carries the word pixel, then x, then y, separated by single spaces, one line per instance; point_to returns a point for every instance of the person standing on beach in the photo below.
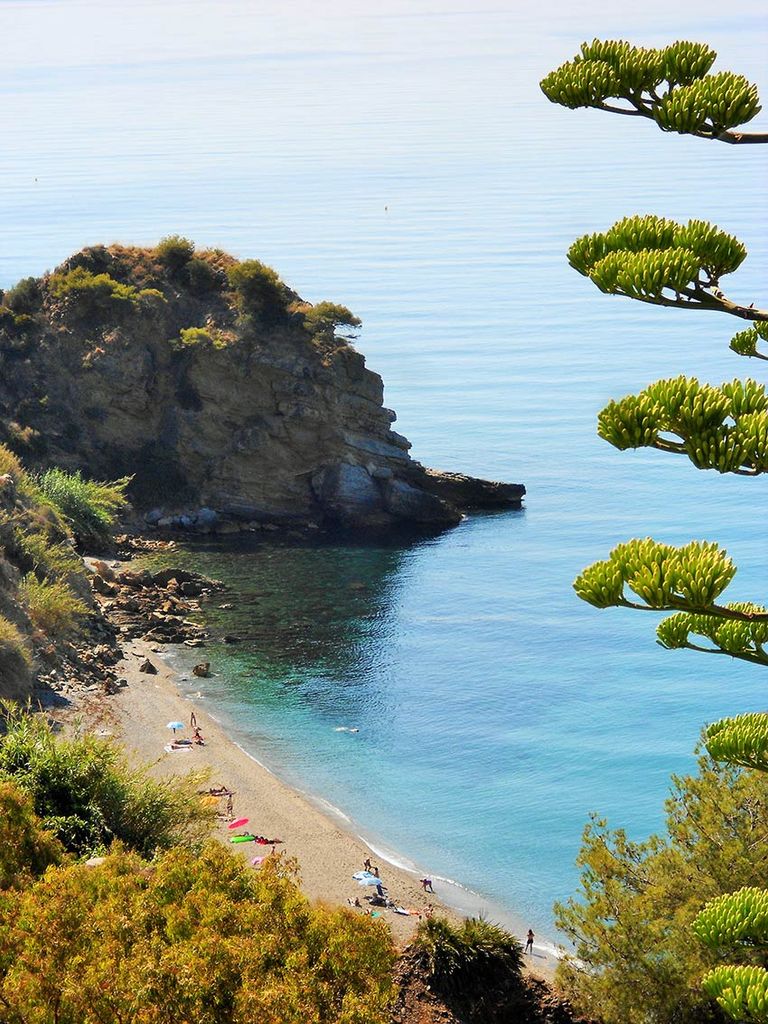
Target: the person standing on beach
pixel 529 942
pixel 426 885
pixel 193 720
pixel 367 864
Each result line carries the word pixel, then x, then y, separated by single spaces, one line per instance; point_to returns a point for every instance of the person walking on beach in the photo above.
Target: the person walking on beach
pixel 367 864
pixel 426 885
pixel 529 942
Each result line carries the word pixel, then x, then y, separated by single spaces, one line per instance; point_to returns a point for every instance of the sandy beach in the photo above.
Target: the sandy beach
pixel 328 854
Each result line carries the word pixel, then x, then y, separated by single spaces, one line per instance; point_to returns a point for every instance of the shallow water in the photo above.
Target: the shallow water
pixel 404 163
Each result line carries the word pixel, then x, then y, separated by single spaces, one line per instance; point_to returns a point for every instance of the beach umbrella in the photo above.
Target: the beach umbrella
pixel 239 823
pixel 175 726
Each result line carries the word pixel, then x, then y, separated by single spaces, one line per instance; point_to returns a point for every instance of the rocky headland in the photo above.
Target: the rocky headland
pixel 228 399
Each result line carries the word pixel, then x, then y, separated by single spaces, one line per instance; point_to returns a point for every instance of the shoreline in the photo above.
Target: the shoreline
pixel 326 843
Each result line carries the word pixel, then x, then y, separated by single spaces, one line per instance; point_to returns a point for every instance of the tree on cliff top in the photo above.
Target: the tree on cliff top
pixel 726 429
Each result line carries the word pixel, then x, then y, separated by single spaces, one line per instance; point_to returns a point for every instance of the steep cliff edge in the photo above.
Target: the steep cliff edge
pixel 216 387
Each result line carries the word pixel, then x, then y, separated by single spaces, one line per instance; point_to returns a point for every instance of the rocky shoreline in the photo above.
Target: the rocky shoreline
pixel 128 605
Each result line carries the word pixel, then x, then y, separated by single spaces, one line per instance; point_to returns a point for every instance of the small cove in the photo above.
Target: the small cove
pixel 405 163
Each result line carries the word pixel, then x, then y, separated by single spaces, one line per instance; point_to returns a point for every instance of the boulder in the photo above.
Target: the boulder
pixel 347 492
pixel 207 517
pixel 415 505
pixel 148 667
pixel 202 669
pixel 102 586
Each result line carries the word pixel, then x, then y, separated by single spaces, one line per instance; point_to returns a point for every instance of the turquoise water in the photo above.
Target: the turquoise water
pixel 403 162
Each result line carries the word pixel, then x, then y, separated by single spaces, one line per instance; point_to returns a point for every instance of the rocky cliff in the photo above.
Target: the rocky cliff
pixel 217 388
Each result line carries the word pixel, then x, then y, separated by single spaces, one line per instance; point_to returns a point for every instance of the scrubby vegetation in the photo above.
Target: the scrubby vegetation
pixel 259 292
pixel 93 295
pixel 175 252
pixel 26 847
pixel 87 796
pixel 90 507
pixel 636 961
pixel 195 934
pixel 14 651
pixel 190 337
pixel 475 953
pixel 325 318
pixel 195 938
pixel 25 297
pixel 51 605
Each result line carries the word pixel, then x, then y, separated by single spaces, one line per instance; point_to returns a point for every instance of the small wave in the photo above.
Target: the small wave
pixel 395 859
pixel 331 809
pixel 249 755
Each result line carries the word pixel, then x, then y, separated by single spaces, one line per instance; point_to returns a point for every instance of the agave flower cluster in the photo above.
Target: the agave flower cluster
pixel 660 261
pixel 723 428
pixel 672 86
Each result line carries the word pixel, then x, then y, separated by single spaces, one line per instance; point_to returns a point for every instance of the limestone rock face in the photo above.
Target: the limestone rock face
pixel 259 419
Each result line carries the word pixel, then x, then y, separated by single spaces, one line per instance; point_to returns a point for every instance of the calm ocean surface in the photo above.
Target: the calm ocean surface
pixel 404 162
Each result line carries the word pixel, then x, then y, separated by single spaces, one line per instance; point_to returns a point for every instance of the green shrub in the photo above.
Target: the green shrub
pixel 202 277
pixel 26 849
pixel 92 294
pixel 9 464
pixel 87 795
pixel 324 319
pixel 199 938
pixel 15 658
pixel 150 300
pixel 90 507
pixel 51 605
pixel 258 289
pixel 24 297
pixel 471 955
pixel 48 557
pixel 189 337
pixel 174 252
pixel 631 922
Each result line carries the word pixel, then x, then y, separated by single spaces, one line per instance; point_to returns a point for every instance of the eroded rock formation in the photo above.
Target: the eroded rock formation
pixel 222 403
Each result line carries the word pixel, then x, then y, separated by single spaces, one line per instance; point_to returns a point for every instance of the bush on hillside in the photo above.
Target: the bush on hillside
pixel 10 464
pixel 473 955
pixel 25 297
pixel 259 292
pixel 85 793
pixel 324 319
pixel 191 337
pixel 92 294
pixel 204 278
pixel 15 658
pixel 200 938
pixel 174 252
pixel 51 605
pixel 26 848
pixel 90 507
pixel 48 558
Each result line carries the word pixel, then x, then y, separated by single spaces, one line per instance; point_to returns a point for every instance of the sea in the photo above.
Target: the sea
pixel 449 698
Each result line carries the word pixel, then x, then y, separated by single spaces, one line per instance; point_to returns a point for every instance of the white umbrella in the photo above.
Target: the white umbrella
pixel 175 726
